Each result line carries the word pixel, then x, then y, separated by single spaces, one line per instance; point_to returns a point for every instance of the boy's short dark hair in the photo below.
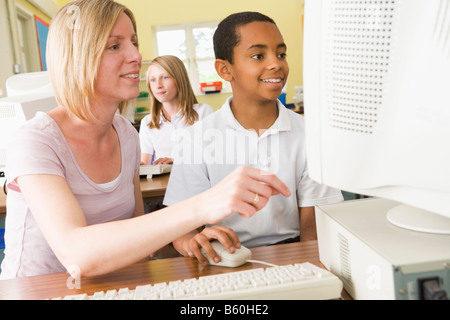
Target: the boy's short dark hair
pixel 226 36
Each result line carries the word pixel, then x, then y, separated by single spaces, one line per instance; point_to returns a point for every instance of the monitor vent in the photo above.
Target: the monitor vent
pixel 358 61
pixel 7 111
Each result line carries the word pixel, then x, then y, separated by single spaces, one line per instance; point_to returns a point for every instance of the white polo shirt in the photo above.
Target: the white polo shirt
pixel 161 141
pixel 213 148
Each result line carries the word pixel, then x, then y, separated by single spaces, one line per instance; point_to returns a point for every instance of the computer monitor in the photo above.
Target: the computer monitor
pixel 29 83
pixel 15 110
pixel 377 103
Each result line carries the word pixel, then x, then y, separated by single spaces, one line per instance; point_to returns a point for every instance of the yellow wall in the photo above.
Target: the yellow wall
pixel 29 7
pixel 286 13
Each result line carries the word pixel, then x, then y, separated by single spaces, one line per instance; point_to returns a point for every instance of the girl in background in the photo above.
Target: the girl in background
pixel 174 107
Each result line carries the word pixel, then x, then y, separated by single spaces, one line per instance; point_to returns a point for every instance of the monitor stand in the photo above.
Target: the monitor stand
pixel 416 219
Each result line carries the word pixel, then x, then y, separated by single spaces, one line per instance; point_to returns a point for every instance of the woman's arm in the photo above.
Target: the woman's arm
pixel 106 247
pixel 92 249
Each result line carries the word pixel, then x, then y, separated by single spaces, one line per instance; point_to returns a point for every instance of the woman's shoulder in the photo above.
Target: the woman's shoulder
pixel 123 125
pixel 122 121
pixel 41 126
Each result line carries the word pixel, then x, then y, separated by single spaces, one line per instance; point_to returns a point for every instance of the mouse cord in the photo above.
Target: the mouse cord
pixel 262 262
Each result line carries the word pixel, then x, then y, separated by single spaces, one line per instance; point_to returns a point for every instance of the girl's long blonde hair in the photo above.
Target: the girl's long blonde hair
pixel 186 97
pixel 76 41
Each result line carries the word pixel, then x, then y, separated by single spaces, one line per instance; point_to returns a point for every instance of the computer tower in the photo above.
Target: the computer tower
pixel 378 260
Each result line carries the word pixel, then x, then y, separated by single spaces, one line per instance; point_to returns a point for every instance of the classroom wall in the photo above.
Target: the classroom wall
pixel 35 11
pixel 287 14
pixel 6 51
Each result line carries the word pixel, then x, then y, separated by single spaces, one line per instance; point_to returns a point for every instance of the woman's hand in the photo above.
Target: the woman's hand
pixel 245 191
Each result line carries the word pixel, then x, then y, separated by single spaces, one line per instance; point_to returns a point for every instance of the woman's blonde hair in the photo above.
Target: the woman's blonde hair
pixel 76 41
pixel 186 97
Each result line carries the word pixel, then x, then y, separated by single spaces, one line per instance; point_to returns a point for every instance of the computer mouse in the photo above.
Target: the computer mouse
pixel 227 259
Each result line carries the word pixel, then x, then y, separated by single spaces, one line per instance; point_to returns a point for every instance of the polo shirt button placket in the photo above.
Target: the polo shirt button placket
pixel 263 158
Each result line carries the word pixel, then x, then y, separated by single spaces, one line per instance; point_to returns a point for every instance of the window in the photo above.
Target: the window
pixel 27 46
pixel 193 44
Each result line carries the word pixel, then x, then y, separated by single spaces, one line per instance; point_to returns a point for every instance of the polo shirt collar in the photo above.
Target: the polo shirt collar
pixel 174 117
pixel 283 122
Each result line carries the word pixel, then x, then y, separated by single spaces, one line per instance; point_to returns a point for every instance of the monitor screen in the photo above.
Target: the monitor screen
pixel 377 102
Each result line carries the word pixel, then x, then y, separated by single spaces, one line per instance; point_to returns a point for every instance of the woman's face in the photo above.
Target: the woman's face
pixel 162 85
pixel 118 75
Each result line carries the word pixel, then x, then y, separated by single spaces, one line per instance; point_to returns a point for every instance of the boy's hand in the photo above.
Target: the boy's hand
pixel 163 161
pixel 226 236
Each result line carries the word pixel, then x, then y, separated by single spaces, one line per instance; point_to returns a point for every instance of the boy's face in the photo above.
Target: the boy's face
pixel 260 69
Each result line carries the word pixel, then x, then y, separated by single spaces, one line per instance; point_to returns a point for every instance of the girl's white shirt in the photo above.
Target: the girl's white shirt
pixel 162 141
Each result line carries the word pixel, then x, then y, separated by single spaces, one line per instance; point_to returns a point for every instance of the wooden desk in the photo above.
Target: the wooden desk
pixel 154 271
pixel 152 190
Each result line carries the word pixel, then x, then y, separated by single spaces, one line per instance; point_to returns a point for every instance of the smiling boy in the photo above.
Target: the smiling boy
pixel 252 128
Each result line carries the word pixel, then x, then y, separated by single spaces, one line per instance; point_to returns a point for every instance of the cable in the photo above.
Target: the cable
pixel 262 262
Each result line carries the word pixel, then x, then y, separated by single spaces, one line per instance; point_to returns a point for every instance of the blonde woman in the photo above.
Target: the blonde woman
pixel 74 201
pixel 174 107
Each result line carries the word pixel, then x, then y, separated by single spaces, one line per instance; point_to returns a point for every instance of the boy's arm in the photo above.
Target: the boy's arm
pixel 308 229
pixel 182 243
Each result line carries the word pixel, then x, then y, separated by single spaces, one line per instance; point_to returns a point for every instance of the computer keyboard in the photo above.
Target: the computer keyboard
pixel 154 169
pixel 289 282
